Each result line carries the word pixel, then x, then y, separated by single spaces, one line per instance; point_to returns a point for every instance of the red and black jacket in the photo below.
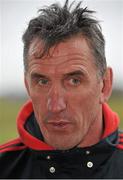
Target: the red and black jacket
pixel 29 157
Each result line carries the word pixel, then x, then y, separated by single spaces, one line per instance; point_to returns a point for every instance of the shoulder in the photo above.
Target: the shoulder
pixel 13 145
pixel 120 140
pixel 12 158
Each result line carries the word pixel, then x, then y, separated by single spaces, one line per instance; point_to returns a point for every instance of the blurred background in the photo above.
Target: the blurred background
pixel 14 18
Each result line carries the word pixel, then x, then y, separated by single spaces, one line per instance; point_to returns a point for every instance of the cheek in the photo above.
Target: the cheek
pixel 39 105
pixel 84 104
pixel 76 109
pixel 78 102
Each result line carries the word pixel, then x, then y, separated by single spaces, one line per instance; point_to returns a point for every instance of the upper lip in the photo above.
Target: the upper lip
pixel 59 122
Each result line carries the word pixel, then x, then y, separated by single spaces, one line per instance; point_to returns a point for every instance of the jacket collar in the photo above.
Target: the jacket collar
pixel 111 122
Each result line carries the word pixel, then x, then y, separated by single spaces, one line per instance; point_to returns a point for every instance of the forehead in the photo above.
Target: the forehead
pixel 72 51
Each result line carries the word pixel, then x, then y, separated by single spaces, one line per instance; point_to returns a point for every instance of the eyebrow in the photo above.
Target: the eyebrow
pixel 73 73
pixel 36 75
pixel 78 72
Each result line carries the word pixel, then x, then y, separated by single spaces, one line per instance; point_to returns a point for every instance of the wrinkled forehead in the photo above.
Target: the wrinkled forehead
pixel 71 47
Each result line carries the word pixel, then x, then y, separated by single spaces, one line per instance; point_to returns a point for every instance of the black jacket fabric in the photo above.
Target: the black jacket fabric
pixel 28 157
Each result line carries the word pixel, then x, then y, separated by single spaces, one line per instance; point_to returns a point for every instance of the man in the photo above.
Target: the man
pixel 66 129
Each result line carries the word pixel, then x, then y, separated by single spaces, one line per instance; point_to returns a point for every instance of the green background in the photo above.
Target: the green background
pixel 9 108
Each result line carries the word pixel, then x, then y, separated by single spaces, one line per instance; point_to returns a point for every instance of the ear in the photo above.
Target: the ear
pixel 26 84
pixel 107 82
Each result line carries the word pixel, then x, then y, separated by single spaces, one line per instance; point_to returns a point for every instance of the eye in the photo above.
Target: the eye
pixel 74 81
pixel 43 82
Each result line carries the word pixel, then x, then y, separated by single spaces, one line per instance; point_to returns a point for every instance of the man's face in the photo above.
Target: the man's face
pixel 65 93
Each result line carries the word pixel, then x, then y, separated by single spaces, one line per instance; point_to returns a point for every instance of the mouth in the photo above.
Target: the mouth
pixel 59 125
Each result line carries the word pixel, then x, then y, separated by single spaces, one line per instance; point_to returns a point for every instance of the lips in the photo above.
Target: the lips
pixel 60 124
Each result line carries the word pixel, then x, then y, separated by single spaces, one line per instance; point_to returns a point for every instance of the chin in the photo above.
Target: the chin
pixel 62 145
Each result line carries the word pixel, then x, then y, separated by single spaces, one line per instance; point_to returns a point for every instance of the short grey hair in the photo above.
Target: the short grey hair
pixel 55 24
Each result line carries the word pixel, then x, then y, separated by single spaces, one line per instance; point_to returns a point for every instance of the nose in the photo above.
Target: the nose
pixel 56 100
